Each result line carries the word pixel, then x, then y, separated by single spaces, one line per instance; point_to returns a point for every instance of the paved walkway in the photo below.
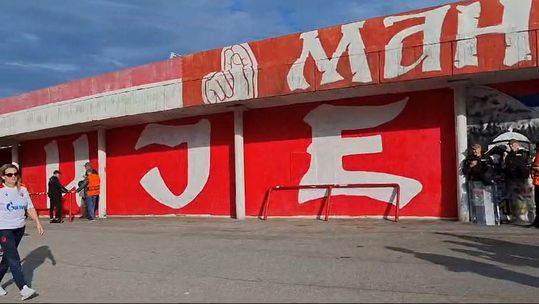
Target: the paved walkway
pixel 223 260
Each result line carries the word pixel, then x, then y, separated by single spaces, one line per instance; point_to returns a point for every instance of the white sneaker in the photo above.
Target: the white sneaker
pixel 26 292
pixel 3 292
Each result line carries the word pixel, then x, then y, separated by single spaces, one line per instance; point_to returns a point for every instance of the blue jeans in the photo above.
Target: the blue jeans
pixel 9 240
pixel 90 205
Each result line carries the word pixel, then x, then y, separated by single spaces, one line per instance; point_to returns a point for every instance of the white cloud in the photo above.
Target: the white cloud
pixel 56 67
pixel 91 37
pixel 29 37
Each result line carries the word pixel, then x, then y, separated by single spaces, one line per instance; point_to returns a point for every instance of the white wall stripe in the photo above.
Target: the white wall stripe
pixel 142 99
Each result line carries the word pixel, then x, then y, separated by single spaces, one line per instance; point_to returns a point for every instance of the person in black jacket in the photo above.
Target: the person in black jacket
pixel 55 195
pixel 478 171
pixel 476 166
pixel 517 173
pixel 517 162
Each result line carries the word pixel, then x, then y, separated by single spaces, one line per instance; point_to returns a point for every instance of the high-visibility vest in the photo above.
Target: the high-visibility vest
pixel 93 185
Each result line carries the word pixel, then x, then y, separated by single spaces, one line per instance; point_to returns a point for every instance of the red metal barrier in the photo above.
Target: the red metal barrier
pixel 327 201
pixel 70 197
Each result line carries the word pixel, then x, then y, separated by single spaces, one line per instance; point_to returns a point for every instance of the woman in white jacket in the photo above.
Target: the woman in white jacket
pixel 14 201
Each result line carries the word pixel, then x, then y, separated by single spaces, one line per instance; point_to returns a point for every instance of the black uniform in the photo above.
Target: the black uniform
pixel 55 194
pixel 517 165
pixel 480 172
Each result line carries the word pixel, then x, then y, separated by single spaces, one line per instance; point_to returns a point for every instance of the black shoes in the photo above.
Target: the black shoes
pixel 55 220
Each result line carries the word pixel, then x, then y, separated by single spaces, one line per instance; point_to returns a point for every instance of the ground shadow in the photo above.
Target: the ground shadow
pixel 494 250
pixel 33 261
pixel 455 264
pixel 491 250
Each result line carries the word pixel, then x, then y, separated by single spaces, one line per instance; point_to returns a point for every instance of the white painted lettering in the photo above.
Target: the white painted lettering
pixel 432 30
pixel 52 162
pixel 328 148
pixel 351 41
pixel 197 137
pixel 515 26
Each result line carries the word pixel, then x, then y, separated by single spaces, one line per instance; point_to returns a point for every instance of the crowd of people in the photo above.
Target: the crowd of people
pixel 504 179
pixel 16 204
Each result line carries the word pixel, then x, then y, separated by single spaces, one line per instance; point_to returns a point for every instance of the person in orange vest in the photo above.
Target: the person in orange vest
pixel 82 184
pixel 535 174
pixel 92 194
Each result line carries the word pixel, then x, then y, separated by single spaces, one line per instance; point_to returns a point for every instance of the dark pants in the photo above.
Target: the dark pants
pixel 9 240
pixel 56 204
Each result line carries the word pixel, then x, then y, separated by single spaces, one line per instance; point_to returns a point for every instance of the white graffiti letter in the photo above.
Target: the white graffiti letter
pixel 351 40
pixel 515 26
pixel 432 30
pixel 238 78
pixel 197 137
pixel 329 147
pixel 82 156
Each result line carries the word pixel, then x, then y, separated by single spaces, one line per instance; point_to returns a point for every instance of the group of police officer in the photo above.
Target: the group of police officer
pixel 514 168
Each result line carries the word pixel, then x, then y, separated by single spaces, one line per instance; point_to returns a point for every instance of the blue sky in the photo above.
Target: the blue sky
pixel 49 42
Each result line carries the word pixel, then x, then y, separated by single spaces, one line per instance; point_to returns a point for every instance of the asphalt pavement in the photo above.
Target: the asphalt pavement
pixel 184 259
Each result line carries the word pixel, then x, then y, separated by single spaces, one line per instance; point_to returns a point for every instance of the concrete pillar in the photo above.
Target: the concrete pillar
pixel 15 154
pixel 102 171
pixel 461 132
pixel 239 164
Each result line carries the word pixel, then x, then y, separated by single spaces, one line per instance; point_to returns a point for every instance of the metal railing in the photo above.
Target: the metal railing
pixel 327 200
pixel 70 197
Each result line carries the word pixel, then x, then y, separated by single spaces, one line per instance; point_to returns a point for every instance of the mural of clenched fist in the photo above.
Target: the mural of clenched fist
pixel 238 78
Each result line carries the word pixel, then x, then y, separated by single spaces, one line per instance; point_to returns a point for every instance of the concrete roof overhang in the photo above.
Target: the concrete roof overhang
pixel 277 101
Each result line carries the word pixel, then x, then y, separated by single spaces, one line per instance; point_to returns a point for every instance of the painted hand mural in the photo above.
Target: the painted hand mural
pixel 328 148
pixel 238 78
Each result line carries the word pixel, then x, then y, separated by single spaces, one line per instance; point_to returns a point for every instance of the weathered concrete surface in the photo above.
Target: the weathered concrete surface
pixel 292 260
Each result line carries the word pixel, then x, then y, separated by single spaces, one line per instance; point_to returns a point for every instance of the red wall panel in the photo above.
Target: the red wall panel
pixel 126 167
pixel 33 160
pixel 419 143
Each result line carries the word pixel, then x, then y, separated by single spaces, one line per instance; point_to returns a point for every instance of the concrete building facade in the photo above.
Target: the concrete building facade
pixel 390 100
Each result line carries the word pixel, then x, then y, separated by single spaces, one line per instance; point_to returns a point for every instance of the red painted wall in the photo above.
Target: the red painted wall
pixel 126 167
pixel 33 163
pixel 419 143
pixel 275 56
